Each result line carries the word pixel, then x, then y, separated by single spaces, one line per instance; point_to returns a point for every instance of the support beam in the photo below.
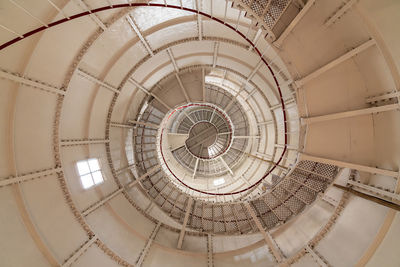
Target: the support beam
pixel 375 191
pixel 227 166
pixel 148 124
pixel 185 221
pixel 215 56
pixel 268 239
pixel 315 256
pixel 28 13
pixel 121 125
pixel 84 142
pixel 30 82
pixel 135 28
pixel 343 164
pixel 79 252
pixel 146 248
pixel 383 97
pixel 256 38
pixel 12 31
pixel 138 85
pixel 124 169
pixel 290 147
pixel 203 83
pixel 200 27
pixel 264 155
pixel 295 21
pixel 266 122
pixel 182 87
pixel 58 9
pixel 349 114
pixel 92 16
pixel 142 177
pixel 331 201
pixel 141 87
pixel 149 207
pixel 31 227
pixel 101 202
pixel 379 201
pixel 338 14
pixel 335 62
pixel 195 167
pixel 250 94
pixel 172 58
pixel 287 103
pixel 91 78
pixel 29 176
pixel 210 251
pixel 283 168
pixel 246 136
pixel 253 72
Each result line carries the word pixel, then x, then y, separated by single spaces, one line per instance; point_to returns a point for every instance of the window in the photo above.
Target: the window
pixel 219 181
pixel 90 173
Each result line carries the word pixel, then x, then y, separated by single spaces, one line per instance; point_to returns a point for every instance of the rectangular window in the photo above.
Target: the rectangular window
pixel 89 172
pixel 219 181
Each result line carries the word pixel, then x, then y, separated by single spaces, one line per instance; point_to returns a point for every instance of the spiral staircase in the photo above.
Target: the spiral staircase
pixel 222 139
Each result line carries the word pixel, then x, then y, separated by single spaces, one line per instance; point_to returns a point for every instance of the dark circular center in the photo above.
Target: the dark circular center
pixel 201 136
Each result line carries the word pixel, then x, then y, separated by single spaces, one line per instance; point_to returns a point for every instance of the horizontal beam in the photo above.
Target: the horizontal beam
pixel 91 78
pixel 264 155
pixel 79 252
pixel 124 169
pixel 30 82
pixel 291 147
pixel 29 176
pixel 266 122
pixel 121 125
pixel 142 177
pixel 348 114
pixel 335 62
pixel 246 136
pixel 377 200
pixel 84 142
pixel 343 164
pixel 148 124
pixel 101 202
pixel 374 190
pixel 386 96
